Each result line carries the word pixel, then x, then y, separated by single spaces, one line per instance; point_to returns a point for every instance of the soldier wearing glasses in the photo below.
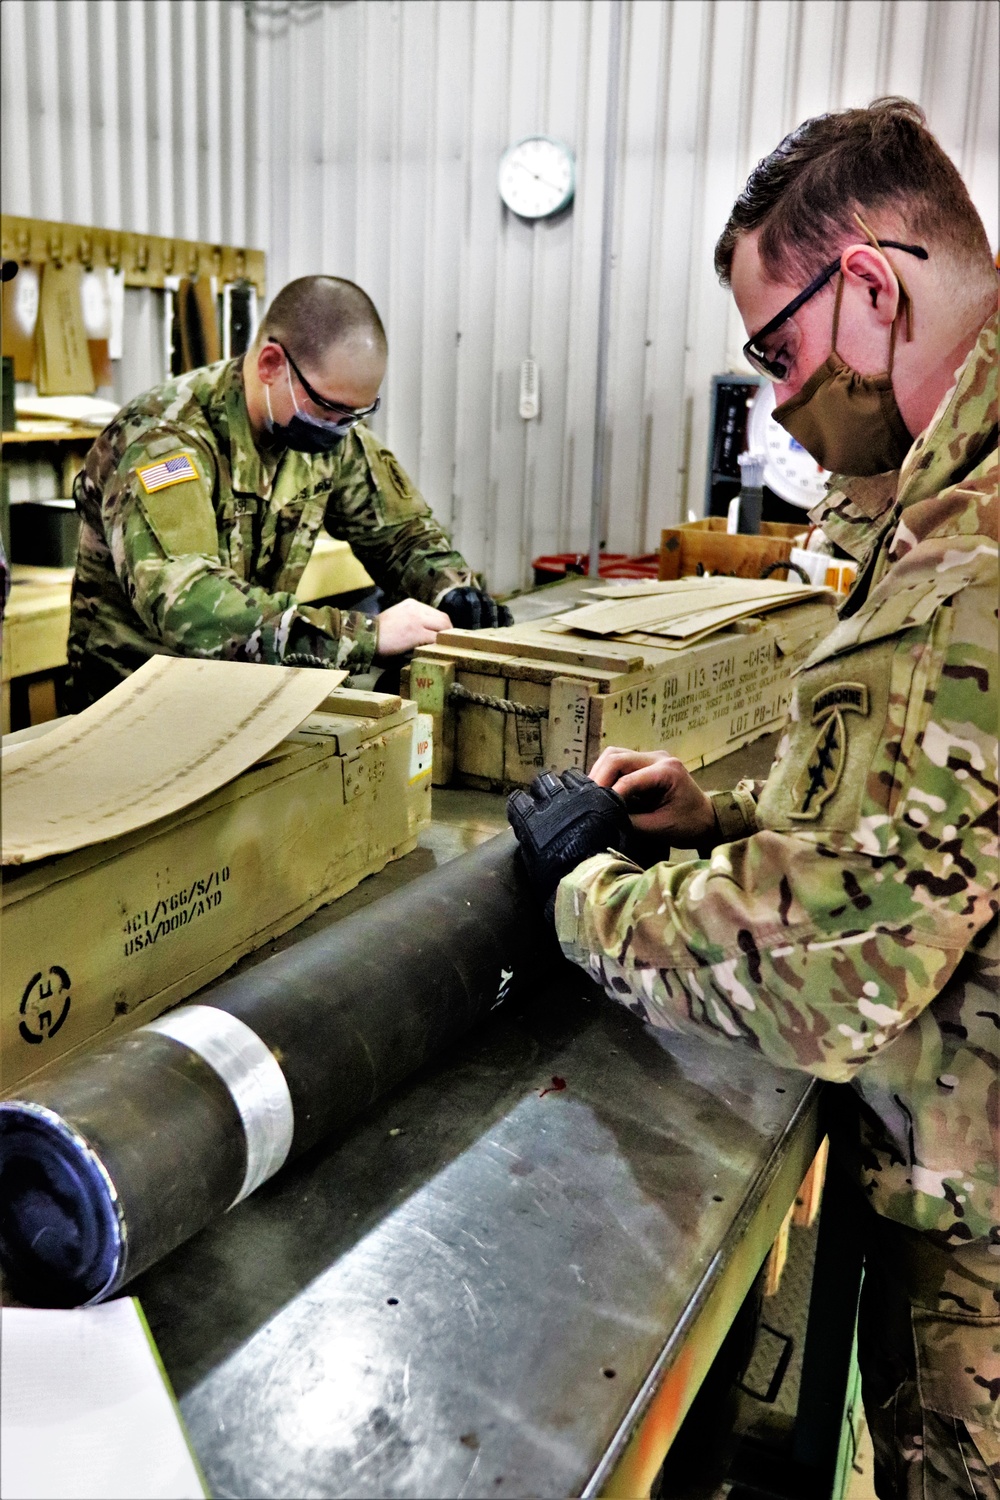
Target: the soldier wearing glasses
pixel 842 916
pixel 201 502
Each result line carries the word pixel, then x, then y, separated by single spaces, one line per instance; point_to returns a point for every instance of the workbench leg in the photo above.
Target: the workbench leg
pixel 816 1464
pixel 828 1357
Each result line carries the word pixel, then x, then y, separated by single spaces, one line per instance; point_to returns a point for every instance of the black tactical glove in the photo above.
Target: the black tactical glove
pixel 561 821
pixel 474 609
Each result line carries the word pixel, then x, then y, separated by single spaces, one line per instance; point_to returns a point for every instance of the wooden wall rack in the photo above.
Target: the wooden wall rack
pixel 146 259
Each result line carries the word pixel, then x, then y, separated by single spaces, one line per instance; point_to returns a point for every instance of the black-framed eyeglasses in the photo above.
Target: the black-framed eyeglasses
pixel 351 413
pixel 772 366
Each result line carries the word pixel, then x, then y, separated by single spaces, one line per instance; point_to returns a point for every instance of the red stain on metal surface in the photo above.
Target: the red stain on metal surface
pixel 556 1087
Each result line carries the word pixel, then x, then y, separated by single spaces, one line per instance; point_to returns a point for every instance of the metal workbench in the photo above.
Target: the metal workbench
pixel 510 1275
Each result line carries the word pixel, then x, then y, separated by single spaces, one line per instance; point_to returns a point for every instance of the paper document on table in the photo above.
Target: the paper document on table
pixel 176 730
pixel 86 1411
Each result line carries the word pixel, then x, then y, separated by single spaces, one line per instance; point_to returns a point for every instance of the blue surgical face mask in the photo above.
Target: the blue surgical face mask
pixel 304 433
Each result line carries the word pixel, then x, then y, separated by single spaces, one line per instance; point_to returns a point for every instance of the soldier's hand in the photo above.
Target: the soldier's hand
pixel 560 821
pixel 659 794
pixel 407 624
pixel 474 609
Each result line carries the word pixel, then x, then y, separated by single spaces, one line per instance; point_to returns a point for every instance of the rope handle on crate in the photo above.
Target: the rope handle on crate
pixel 462 694
pixel 502 705
pixel 304 659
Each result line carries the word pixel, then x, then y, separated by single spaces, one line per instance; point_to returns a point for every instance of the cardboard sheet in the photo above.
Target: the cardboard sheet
pixel 681 612
pixel 64 366
pixel 173 732
pixel 643 588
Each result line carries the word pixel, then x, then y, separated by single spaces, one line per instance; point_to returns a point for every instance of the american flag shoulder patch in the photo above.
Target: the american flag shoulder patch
pixel 177 469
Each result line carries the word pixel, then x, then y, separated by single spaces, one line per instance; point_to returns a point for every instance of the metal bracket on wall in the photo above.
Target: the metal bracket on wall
pixel 146 259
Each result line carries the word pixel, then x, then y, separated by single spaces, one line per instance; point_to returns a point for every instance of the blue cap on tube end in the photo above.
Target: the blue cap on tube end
pixel 62 1236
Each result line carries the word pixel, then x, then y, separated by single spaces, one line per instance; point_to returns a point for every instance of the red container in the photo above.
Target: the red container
pixel 553 568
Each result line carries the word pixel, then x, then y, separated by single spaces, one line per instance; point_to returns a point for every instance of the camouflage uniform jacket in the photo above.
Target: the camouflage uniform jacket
pixel 847 924
pixel 209 566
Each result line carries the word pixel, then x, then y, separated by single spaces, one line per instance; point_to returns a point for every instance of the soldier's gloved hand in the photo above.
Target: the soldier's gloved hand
pixel 474 609
pixel 561 821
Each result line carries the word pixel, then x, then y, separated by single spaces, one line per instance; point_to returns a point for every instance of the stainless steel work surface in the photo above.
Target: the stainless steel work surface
pixel 466 1293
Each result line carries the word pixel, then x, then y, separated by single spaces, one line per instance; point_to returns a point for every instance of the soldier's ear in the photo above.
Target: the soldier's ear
pixel 868 270
pixel 270 363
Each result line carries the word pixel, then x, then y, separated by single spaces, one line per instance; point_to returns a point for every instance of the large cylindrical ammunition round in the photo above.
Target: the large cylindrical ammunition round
pixel 112 1159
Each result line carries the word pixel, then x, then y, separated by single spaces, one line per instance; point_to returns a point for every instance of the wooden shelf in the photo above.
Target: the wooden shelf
pixel 58 435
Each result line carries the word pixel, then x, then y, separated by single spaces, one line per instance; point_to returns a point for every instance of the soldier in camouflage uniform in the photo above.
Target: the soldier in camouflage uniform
pixel 199 510
pixel 844 918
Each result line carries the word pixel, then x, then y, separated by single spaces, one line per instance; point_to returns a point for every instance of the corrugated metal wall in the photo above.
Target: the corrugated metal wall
pixel 363 138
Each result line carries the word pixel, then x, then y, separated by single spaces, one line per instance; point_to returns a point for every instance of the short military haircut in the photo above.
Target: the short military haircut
pixel 866 161
pixel 312 314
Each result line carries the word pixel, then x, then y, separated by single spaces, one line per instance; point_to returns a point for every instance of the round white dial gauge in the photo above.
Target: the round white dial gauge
pixel 790 471
pixel 537 177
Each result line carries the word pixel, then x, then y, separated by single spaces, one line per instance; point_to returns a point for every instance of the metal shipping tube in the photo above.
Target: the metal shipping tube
pixel 112 1159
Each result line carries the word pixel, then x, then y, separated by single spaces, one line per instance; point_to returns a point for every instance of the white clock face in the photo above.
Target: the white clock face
pixel 790 471
pixel 537 177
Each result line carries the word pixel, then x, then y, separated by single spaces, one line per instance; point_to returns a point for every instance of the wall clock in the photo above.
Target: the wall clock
pixel 537 177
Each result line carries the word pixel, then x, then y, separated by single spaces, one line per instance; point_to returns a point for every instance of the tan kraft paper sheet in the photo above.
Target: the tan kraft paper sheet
pixel 176 730
pixel 669 610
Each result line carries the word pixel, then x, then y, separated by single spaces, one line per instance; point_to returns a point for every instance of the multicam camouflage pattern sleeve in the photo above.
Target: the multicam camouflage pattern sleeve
pixel 819 938
pixel 377 509
pixel 834 938
pixel 165 550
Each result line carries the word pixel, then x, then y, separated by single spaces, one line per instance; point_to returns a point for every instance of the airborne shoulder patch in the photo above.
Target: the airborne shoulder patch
pixel 820 776
pixel 843 695
pixel 177 469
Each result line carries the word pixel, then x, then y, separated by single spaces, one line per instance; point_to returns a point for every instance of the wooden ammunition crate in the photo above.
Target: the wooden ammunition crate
pixel 106 937
pixel 706 543
pixel 700 702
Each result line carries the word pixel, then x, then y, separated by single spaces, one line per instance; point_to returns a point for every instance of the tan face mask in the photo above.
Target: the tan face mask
pixel 849 422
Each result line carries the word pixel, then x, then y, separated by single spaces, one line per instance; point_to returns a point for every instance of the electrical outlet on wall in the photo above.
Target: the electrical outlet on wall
pixel 529 401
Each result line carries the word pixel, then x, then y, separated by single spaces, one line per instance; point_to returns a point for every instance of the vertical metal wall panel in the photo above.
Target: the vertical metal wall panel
pixel 514 289
pixel 477 411
pixel 721 173
pixel 16 113
pixel 362 137
pixel 160 82
pixel 638 174
pixel 551 441
pixel 137 158
pixel 444 231
pixel 981 156
pixel 409 218
pixel 78 164
pixel 213 91
pixel 102 71
pixel 684 62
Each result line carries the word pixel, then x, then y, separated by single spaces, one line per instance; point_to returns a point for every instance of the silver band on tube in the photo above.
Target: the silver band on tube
pixel 251 1073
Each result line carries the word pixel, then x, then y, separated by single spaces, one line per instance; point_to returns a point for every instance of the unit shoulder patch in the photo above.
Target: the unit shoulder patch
pixel 820 776
pixel 177 469
pixel 400 498
pixel 842 695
